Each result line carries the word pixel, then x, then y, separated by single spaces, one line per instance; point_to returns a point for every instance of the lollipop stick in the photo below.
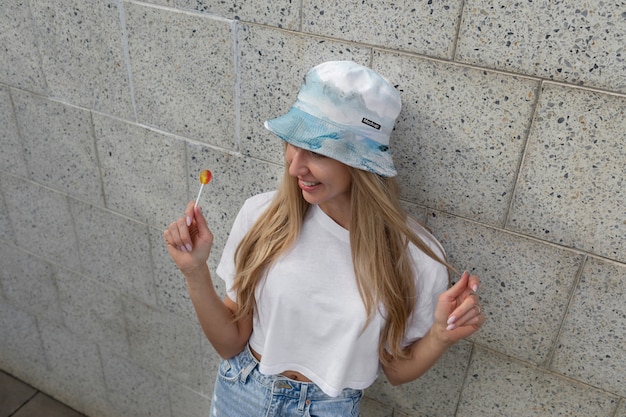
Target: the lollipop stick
pixel 198 198
pixel 205 178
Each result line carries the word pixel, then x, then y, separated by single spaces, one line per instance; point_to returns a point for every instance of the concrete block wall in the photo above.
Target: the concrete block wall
pixel 510 146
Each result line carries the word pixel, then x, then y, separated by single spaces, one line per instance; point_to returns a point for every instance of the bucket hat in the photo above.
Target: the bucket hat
pixel 344 111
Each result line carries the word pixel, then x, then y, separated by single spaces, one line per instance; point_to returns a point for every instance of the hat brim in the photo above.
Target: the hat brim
pixel 325 138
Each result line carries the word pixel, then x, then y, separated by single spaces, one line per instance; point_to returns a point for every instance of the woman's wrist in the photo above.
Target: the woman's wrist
pixel 440 336
pixel 197 275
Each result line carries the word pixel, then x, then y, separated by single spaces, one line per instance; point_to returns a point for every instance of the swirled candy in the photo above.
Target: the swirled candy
pixel 205 177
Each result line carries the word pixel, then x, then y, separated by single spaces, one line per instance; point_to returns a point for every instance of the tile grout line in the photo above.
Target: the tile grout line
pixel 548 361
pixel 25 403
pixel 36 392
pixel 126 52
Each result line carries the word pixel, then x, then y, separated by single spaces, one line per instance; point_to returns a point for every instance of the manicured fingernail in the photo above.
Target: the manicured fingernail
pixel 451 327
pixel 188 221
pixel 475 287
pixel 188 246
pixel 451 320
pixel 182 249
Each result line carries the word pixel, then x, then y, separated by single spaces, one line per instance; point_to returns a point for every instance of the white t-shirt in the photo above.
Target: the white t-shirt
pixel 310 316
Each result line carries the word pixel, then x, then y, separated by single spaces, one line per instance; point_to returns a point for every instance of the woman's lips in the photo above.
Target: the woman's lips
pixel 308 185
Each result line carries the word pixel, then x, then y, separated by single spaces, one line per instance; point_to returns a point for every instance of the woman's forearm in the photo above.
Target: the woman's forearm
pixel 227 336
pixel 423 355
pixel 457 316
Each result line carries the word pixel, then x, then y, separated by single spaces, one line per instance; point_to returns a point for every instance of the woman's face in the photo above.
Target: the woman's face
pixel 323 181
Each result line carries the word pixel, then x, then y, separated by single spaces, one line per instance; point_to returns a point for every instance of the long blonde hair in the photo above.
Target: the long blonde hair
pixel 380 231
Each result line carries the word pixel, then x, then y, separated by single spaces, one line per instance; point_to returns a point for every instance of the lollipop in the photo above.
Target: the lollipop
pixel 205 178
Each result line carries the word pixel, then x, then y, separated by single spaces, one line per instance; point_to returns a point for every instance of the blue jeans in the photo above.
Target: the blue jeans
pixel 242 391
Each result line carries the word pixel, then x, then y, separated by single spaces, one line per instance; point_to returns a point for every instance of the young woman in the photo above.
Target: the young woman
pixel 328 280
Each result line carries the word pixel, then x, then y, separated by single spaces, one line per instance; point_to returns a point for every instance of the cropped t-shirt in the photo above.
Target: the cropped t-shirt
pixel 310 317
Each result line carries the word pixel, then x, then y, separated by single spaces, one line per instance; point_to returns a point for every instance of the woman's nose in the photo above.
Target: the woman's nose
pixel 297 162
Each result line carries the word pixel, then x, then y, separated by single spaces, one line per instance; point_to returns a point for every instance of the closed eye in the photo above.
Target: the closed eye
pixel 317 155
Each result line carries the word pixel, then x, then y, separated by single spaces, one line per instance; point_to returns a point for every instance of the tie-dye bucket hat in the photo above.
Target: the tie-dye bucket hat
pixel 344 111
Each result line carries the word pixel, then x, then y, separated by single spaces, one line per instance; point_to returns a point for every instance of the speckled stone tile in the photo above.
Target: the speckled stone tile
pixel 169 3
pixel 29 283
pixel 133 390
pixel 114 250
pixel 11 149
pixel 422 26
pixel 372 408
pixel 169 282
pixel 435 393
pixel 20 64
pixel 235 178
pixel 83 55
pixel 525 285
pixel 597 311
pixel 210 365
pixel 143 171
pixel 183 73
pixel 273 64
pixel 22 352
pixel 500 387
pixel 397 413
pixel 280 13
pixel 76 377
pixel 571 186
pixel 41 220
pixel 576 41
pixel 59 146
pixel 621 411
pixel 462 161
pixel 6 228
pixel 419 213
pixel 93 310
pixel 164 342
pixel 187 402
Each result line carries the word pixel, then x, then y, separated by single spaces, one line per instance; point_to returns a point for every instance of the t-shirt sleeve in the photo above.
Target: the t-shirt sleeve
pixel 431 280
pixel 226 267
pixel 248 213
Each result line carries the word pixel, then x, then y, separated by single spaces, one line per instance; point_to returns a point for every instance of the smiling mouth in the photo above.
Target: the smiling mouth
pixel 308 183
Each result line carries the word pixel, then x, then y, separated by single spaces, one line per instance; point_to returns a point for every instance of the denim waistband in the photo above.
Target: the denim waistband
pixel 282 385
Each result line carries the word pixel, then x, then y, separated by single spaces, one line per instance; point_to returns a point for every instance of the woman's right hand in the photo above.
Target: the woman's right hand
pixel 189 240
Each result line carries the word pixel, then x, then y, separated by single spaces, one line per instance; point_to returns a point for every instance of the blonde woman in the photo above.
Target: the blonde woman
pixel 328 280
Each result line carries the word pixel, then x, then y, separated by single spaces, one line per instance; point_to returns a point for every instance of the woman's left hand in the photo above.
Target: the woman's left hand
pixel 458 313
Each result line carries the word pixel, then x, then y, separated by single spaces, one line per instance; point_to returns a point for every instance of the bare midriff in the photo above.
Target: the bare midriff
pixel 296 376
